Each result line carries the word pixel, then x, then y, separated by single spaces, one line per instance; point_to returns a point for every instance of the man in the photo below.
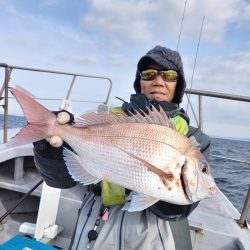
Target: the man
pixel 102 224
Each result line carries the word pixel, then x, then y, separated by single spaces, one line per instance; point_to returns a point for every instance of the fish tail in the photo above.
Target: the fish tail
pixel 40 119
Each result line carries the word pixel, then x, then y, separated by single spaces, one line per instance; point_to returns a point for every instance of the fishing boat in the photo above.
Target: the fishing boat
pixel 33 212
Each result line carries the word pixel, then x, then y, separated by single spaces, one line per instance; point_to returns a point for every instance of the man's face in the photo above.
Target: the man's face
pixel 158 89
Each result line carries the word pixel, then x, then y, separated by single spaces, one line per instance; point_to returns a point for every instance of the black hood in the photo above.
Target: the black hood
pixel 167 58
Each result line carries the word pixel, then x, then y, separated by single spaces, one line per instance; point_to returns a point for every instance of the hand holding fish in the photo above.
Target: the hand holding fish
pixel 63 117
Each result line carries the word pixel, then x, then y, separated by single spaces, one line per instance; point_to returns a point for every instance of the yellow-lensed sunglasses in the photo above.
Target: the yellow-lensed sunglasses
pixel 167 75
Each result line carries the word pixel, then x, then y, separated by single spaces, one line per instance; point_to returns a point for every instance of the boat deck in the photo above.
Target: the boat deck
pixel 217 220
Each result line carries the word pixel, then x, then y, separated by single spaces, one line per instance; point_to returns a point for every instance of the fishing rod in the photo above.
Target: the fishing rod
pixel 195 60
pixel 20 201
pixel 178 43
pixel 183 14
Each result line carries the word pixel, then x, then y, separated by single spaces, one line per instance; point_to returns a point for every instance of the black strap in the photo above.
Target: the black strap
pixel 181 233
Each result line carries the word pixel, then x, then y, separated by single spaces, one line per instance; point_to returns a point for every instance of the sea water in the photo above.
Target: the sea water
pixel 233 178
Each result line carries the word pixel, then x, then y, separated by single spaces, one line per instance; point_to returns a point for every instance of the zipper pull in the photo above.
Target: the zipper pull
pixel 105 215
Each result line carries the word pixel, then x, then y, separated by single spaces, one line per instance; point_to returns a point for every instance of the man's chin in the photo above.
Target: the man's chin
pixel 158 97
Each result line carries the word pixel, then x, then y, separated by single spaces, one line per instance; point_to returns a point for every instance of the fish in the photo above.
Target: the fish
pixel 141 152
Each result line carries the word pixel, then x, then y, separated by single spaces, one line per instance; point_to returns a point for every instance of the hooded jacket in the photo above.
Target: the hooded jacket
pixel 161 226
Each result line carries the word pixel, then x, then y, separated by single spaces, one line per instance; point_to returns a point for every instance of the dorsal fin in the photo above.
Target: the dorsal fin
pixel 153 116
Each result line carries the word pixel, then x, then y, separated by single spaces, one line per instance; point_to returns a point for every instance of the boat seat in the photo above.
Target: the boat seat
pixel 15 152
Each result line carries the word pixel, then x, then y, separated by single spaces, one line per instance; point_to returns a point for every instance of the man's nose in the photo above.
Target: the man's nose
pixel 158 81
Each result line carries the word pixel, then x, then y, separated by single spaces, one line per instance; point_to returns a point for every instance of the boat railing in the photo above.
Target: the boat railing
pixel 201 93
pixel 4 94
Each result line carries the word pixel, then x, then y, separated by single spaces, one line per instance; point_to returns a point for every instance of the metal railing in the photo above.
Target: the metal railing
pixel 8 72
pixel 200 93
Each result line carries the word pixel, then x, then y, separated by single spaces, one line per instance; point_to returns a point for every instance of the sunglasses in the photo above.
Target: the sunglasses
pixel 167 75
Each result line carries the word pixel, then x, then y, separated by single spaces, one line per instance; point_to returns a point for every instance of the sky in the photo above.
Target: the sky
pixel 108 37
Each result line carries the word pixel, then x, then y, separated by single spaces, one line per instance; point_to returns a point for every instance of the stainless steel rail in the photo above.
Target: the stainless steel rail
pixel 230 159
pixel 218 95
pixel 10 68
pixel 200 93
pixel 243 220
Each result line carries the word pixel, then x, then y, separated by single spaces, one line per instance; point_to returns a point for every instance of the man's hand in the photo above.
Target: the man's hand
pixel 63 117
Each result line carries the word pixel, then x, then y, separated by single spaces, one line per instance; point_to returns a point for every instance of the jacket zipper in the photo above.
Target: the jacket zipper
pixel 88 216
pixel 85 198
pixel 120 233
pixel 159 232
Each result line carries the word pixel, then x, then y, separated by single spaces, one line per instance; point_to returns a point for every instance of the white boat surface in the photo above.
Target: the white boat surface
pixel 214 223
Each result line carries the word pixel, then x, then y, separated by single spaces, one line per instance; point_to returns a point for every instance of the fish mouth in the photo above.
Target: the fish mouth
pixel 185 184
pixel 184 187
pixel 213 190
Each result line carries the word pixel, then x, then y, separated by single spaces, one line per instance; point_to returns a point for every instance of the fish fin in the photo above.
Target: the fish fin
pixel 28 134
pixel 160 117
pixel 162 174
pixel 139 202
pixel 153 116
pixel 100 119
pixel 76 168
pixel 24 91
pixel 34 112
pixel 39 118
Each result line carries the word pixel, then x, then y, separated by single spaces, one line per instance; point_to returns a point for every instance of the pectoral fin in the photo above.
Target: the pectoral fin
pixel 139 202
pixel 76 168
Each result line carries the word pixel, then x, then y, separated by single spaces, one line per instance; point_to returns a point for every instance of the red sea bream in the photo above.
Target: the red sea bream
pixel 141 152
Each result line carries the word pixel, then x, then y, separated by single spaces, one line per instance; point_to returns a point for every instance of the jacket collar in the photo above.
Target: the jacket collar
pixel 141 102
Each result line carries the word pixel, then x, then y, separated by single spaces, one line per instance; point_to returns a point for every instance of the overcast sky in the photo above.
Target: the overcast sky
pixel 107 38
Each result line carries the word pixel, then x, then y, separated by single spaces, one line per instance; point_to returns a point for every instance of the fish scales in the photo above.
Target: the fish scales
pixel 105 142
pixel 150 159
pixel 153 151
pixel 148 131
pixel 124 169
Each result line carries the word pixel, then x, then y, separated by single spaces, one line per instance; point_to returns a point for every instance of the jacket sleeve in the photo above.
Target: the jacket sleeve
pixel 172 212
pixel 202 139
pixel 49 162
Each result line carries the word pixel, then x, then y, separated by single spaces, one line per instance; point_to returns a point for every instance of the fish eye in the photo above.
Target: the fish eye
pixel 204 166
